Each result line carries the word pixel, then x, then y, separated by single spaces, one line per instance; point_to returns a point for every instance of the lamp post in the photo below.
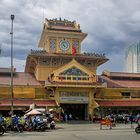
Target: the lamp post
pixel 12 68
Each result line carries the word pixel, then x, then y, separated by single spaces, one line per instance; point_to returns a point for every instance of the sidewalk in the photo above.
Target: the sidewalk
pixel 89 126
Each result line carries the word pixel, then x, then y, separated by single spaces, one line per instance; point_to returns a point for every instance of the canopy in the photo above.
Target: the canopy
pixel 33 112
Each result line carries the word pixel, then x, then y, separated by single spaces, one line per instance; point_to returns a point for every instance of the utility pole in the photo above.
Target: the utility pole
pixel 0 49
pixel 12 68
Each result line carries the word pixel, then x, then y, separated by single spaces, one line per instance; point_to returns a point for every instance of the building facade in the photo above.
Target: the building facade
pixel 58 74
pixel 68 75
pixel 121 95
pixel 132 58
pixel 27 90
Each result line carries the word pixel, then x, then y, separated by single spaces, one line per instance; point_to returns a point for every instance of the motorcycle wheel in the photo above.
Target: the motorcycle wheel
pixel 20 128
pixel 1 131
pixel 137 130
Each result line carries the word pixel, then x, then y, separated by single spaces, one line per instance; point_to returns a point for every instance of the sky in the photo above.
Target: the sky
pixel 111 25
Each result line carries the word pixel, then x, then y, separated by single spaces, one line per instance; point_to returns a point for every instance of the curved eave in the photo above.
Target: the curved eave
pixel 81 56
pixel 74 86
pixel 28 65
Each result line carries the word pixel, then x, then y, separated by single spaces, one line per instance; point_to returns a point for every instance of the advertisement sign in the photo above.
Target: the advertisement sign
pixel 74 99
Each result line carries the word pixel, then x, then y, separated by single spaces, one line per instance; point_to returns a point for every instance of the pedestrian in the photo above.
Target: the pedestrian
pixel 1 120
pixel 70 117
pixel 131 118
pixel 66 117
pixel 16 122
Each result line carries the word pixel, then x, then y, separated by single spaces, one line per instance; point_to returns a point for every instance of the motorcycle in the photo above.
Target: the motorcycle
pixel 41 126
pixel 52 125
pixel 13 127
pixel 1 130
pixel 137 129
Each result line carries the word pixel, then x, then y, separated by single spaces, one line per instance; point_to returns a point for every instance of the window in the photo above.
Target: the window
pixel 52 45
pixel 74 73
pixel 126 94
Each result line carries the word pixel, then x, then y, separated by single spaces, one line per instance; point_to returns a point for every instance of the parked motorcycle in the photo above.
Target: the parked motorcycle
pixel 15 128
pixel 41 126
pixel 137 129
pixel 52 125
pixel 1 130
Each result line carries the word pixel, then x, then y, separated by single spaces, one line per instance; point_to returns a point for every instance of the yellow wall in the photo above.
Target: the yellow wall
pixel 42 72
pixel 41 93
pixel 19 92
pixel 115 93
pixel 5 92
pixel 24 92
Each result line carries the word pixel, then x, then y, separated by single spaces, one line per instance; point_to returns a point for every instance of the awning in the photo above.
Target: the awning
pixel 33 112
pixel 96 105
pixel 27 103
pixel 119 103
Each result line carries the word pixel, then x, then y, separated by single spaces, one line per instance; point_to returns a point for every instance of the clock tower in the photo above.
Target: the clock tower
pixel 67 74
pixel 61 36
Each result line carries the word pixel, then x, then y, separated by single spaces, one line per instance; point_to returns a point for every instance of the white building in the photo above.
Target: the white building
pixel 132 58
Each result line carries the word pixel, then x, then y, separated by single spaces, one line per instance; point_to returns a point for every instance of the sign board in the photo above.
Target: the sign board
pixel 74 99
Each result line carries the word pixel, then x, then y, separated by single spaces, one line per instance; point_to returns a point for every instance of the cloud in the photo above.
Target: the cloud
pixel 111 26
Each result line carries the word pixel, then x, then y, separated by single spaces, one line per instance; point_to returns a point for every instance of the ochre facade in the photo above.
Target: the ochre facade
pixel 59 74
pixel 68 75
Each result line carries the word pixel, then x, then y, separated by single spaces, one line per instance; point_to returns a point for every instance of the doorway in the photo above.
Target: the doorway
pixel 78 111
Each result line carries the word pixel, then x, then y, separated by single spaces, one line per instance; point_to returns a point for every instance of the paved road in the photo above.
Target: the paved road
pixel 77 132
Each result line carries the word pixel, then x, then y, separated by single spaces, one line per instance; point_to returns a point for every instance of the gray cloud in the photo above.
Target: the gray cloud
pixel 111 26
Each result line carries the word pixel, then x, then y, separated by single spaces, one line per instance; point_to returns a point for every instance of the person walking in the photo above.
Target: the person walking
pixel 70 116
pixel 66 117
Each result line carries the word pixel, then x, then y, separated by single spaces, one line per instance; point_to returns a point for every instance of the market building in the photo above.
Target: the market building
pixel 27 91
pixel 68 75
pixel 121 95
pixel 58 74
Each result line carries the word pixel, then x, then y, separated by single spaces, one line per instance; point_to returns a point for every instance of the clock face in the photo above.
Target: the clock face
pixel 64 45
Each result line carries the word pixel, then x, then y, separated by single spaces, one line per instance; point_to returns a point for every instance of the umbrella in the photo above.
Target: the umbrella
pixel 34 112
pixel 50 109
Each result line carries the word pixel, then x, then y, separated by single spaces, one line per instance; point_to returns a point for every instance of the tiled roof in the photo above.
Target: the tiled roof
pixel 120 79
pixel 120 103
pixel 59 24
pixel 82 55
pixel 121 74
pixel 64 28
pixel 20 79
pixel 110 83
pixel 128 83
pixel 21 102
pixel 6 70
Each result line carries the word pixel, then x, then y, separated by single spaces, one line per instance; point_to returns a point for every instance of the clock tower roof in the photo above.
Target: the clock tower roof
pixel 58 28
pixel 62 25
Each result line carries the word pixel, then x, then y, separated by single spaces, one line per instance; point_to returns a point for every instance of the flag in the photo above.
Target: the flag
pixel 73 50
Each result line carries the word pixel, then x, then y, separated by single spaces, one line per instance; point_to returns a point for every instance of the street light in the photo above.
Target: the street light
pixel 12 68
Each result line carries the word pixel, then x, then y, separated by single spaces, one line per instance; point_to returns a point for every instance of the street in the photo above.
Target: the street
pixel 77 132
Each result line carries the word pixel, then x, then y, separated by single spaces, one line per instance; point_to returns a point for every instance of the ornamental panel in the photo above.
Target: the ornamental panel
pixel 52 45
pixel 74 71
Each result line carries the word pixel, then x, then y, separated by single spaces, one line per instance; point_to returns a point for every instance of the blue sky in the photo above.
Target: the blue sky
pixel 112 25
